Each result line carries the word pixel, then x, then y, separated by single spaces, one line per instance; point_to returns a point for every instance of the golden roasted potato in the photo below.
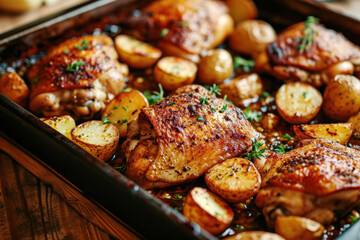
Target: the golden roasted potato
pixel 191 88
pixel 208 210
pixel 355 120
pixel 241 10
pixel 235 179
pixel 298 228
pixel 270 121
pixel 342 97
pixel 13 87
pixel 124 108
pixel 174 72
pixel 251 37
pixel 242 88
pixel 135 53
pixel 223 28
pixel 336 132
pixel 298 102
pixel 255 235
pixel 63 124
pixel 215 67
pixel 98 138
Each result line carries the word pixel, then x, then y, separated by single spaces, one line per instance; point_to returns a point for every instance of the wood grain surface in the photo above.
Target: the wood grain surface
pixel 50 208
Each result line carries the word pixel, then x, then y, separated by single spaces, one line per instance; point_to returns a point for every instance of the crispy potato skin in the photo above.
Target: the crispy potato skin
pixel 342 97
pixel 234 180
pixel 198 208
pixel 336 132
pixel 124 108
pixel 241 10
pixel 215 67
pixel 298 228
pixel 255 235
pixel 298 102
pixel 13 87
pixel 63 124
pixel 86 135
pixel 187 145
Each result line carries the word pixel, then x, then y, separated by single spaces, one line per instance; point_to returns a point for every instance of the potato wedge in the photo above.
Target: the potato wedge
pixel 298 228
pixel 298 102
pixel 174 72
pixel 251 37
pixel 355 120
pixel 13 87
pixel 135 53
pixel 235 180
pixel 342 97
pixel 208 210
pixel 241 88
pixel 63 124
pixel 97 138
pixel 336 132
pixel 241 10
pixel 215 67
pixel 255 235
pixel 124 108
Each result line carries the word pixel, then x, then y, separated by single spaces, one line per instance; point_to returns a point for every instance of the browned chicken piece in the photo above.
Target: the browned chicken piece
pixel 77 77
pixel 319 180
pixel 178 139
pixel 329 54
pixel 183 28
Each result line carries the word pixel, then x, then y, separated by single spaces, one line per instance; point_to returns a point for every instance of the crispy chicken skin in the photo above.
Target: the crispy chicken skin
pixel 178 139
pixel 319 180
pixel 330 54
pixel 81 90
pixel 183 27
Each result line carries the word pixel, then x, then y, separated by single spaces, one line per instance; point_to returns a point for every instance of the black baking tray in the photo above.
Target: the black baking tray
pixel 146 214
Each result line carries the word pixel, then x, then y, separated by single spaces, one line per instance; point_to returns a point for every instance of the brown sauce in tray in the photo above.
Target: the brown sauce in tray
pixel 247 215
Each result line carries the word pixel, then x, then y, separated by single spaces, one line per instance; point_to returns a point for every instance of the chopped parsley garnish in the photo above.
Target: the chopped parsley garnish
pixel 74 66
pixel 252 115
pixel 178 196
pixel 124 108
pixel 279 149
pixel 124 121
pixel 116 107
pixel 243 63
pixel 214 90
pixel 105 120
pixel 84 45
pixel 36 80
pixel 213 109
pixel 256 152
pixel 287 137
pixel 126 90
pixel 265 94
pixel 155 97
pixel 66 52
pixel 184 24
pixel 309 30
pixel 239 228
pixel 164 32
pixel 203 101
pixel 223 108
pixel 353 219
pixel 121 169
pixel 200 119
pixel 170 104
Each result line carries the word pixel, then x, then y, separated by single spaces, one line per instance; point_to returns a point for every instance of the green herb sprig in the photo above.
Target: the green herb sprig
pixel 256 152
pixel 310 32
pixel 75 66
pixel 105 120
pixel 214 90
pixel 252 115
pixel 155 97
pixel 286 136
pixel 244 64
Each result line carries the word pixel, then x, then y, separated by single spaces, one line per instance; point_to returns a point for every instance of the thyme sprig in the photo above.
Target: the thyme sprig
pixel 256 152
pixel 252 115
pixel 244 64
pixel 310 32
pixel 155 96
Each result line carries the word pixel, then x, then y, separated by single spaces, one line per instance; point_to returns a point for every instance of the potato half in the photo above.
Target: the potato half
pixel 124 108
pixel 97 138
pixel 342 97
pixel 63 124
pixel 135 53
pixel 208 210
pixel 298 102
pixel 235 180
pixel 14 87
pixel 255 235
pixel 215 67
pixel 241 10
pixel 298 228
pixel 251 37
pixel 174 72
pixel 336 132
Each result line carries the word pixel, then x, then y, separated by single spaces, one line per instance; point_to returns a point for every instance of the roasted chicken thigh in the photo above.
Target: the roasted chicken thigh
pixel 326 54
pixel 319 180
pixel 183 28
pixel 178 139
pixel 77 77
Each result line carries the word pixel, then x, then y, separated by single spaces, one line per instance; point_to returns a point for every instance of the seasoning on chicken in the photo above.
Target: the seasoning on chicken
pixel 179 138
pixel 77 78
pixel 319 180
